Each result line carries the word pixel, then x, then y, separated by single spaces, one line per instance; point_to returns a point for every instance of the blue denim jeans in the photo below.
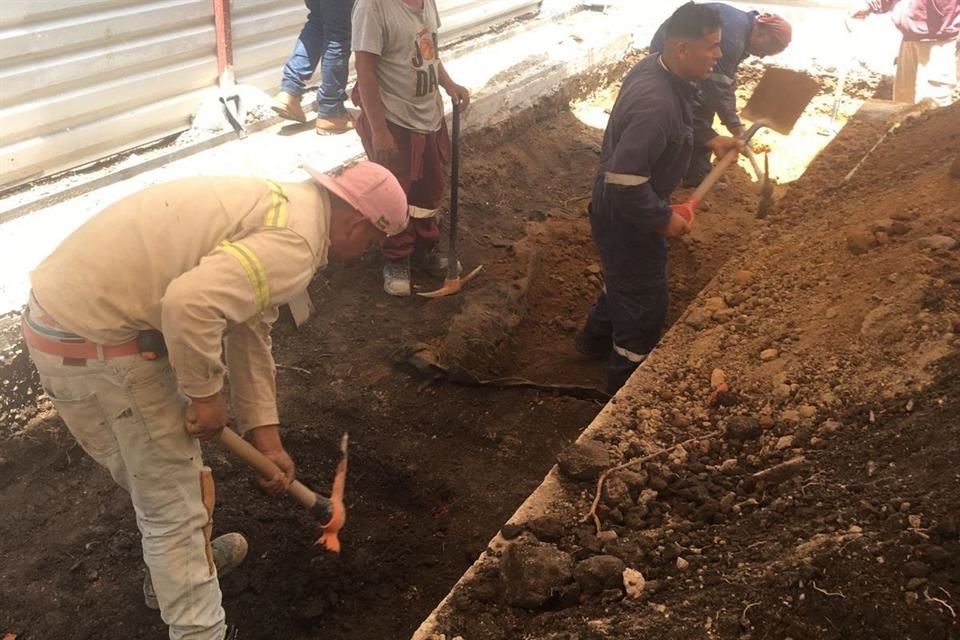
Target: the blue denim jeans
pixel 325 40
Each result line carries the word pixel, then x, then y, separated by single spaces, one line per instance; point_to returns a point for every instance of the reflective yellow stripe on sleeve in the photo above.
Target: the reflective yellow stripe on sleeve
pixel 253 268
pixel 276 215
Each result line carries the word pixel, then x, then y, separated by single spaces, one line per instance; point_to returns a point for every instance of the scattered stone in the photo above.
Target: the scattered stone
pixel 594 269
pixel 633 583
pixel 607 536
pixel 635 480
pixel 860 241
pixel 647 496
pixel 546 528
pixel 697 318
pixel 785 442
pixel 511 530
pixel 728 466
pixel 682 565
pixel 616 494
pixel 599 573
pixel 832 313
pixel 904 216
pixel 584 460
pixel 717 378
pixel 679 455
pixel 769 354
pixel 533 573
pixel 899 228
pixel 743 277
pixel 790 416
pixel 783 471
pixel 916 569
pixel 830 426
pixel 807 411
pixel 938 242
pixel 742 428
pixel 715 303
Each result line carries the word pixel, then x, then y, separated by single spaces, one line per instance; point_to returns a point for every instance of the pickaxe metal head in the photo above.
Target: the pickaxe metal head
pixel 452 286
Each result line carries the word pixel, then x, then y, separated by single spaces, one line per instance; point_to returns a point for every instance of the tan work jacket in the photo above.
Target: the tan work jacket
pixel 207 261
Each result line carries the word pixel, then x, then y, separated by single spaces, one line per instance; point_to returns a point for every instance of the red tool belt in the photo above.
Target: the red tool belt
pixel 69 346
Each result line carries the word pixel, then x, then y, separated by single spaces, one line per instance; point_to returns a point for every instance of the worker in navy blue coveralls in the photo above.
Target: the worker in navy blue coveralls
pixel 743 33
pixel 646 150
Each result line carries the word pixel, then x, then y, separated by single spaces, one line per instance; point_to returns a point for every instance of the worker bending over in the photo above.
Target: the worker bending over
pixel 207 262
pixel 646 151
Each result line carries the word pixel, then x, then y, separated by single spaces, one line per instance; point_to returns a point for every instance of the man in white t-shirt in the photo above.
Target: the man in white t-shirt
pixel 401 125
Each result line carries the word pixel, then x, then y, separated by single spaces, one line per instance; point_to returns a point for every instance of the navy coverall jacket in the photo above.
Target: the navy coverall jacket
pixel 647 146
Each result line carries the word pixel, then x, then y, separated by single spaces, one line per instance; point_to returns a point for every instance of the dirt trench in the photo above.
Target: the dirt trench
pixel 435 467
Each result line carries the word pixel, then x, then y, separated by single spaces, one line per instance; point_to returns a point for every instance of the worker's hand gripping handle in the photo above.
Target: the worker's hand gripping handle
pixel 330 512
pixel 264 466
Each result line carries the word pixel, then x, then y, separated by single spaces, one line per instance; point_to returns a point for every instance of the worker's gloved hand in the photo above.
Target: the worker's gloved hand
pixel 206 417
pixel 267 440
pixel 721 145
pixel 678 224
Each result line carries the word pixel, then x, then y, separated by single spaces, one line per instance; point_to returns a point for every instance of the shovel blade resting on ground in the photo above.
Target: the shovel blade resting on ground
pixel 777 103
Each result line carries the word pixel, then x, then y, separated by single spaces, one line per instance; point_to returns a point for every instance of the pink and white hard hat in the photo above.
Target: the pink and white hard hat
pixel 370 189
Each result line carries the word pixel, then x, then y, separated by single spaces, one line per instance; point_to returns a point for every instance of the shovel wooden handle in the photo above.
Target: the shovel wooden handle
pixel 714 175
pixel 265 466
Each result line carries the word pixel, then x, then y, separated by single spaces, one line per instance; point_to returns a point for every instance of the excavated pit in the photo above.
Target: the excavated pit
pixel 436 467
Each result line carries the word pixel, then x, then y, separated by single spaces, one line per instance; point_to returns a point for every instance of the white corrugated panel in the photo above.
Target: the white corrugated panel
pixel 264 31
pixel 82 79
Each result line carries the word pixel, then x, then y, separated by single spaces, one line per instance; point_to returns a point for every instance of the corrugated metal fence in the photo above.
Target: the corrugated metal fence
pixel 81 79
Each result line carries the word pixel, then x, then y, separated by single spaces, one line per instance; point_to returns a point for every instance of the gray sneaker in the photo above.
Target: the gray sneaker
pixel 229 550
pixel 396 277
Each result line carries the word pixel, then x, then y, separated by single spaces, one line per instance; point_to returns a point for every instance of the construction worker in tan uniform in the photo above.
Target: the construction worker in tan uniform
pixel 207 262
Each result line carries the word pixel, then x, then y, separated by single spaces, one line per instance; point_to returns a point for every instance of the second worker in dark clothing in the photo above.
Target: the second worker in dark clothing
pixel 646 150
pixel 743 33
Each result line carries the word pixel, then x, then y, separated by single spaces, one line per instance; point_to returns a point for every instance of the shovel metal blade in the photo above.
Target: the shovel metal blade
pixel 780 97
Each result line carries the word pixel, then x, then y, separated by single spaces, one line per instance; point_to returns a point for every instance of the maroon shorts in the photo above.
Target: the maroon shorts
pixel 419 168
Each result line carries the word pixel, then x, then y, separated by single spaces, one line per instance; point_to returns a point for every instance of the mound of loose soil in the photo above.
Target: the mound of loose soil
pixel 814 386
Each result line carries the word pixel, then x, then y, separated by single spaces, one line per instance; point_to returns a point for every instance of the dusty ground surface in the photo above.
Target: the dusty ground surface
pixel 818 495
pixel 435 467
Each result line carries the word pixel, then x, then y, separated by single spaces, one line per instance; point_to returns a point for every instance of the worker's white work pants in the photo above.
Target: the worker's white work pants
pixel 926 70
pixel 129 416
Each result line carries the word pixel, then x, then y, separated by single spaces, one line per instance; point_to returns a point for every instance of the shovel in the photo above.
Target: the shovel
pixel 777 102
pixel 330 512
pixel 453 282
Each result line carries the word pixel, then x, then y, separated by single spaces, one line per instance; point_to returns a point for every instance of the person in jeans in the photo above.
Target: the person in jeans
pixel 208 261
pixel 324 40
pixel 401 124
pixel 927 65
